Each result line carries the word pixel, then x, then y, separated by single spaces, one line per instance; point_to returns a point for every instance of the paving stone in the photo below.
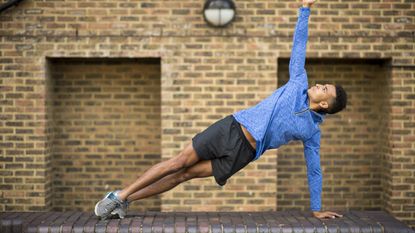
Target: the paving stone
pixel 125 225
pixel 34 225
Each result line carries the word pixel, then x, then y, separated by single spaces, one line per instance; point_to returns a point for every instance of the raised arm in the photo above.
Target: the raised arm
pixel 298 53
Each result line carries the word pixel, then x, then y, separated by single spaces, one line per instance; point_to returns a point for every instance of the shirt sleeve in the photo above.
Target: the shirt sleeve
pixel 297 59
pixel 314 176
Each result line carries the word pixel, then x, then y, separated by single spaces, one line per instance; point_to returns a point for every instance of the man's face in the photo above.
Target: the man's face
pixel 322 94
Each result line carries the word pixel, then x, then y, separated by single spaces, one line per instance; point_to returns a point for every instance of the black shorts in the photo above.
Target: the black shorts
pixel 226 145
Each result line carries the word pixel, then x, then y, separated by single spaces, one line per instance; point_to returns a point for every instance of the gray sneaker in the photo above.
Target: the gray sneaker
pixel 104 207
pixel 120 210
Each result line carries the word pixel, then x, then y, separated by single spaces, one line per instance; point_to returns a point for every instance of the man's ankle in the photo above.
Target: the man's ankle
pixel 119 195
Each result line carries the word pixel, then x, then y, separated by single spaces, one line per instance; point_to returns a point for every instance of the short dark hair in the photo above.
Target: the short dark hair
pixel 339 102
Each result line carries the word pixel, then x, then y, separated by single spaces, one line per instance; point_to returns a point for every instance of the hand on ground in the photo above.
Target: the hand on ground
pixel 326 214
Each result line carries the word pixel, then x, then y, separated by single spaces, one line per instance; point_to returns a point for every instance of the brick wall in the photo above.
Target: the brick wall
pixel 206 74
pixel 400 155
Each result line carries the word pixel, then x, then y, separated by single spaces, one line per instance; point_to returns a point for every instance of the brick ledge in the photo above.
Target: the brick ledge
pixel 280 221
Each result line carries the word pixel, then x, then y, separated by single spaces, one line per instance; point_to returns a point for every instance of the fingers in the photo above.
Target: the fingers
pixel 336 214
pixel 333 215
pixel 329 214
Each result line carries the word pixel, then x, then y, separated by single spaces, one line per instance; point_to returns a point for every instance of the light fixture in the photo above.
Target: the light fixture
pixel 219 13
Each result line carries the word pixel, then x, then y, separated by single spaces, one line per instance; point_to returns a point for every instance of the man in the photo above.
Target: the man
pixel 292 112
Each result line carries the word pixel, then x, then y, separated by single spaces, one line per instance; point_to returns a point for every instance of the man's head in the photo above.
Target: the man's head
pixel 327 98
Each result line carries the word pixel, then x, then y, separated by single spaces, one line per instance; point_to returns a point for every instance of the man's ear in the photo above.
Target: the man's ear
pixel 323 105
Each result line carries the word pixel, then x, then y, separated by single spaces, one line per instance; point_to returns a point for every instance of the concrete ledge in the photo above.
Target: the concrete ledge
pixel 212 222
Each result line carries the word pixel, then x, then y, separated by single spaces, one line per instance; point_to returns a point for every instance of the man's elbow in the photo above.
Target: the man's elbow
pixel 295 72
pixel 292 72
pixel 315 172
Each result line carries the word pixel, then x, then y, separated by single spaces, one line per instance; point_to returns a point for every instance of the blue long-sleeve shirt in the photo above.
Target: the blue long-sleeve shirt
pixel 285 115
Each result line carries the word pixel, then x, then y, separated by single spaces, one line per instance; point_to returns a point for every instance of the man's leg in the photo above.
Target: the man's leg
pixel 183 160
pixel 199 170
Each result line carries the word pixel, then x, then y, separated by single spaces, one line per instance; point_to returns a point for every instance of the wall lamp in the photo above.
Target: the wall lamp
pixel 219 13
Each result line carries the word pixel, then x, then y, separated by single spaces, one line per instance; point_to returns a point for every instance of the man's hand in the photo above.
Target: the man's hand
pixel 326 214
pixel 308 3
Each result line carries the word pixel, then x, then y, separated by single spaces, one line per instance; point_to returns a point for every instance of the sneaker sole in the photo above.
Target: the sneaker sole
pixel 96 205
pixel 113 213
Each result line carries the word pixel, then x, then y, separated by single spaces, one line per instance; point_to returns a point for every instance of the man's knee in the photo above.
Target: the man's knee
pixel 199 170
pixel 186 175
pixel 178 162
pixel 184 159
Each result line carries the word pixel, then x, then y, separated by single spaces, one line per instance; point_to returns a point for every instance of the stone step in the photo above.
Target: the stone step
pixel 209 222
